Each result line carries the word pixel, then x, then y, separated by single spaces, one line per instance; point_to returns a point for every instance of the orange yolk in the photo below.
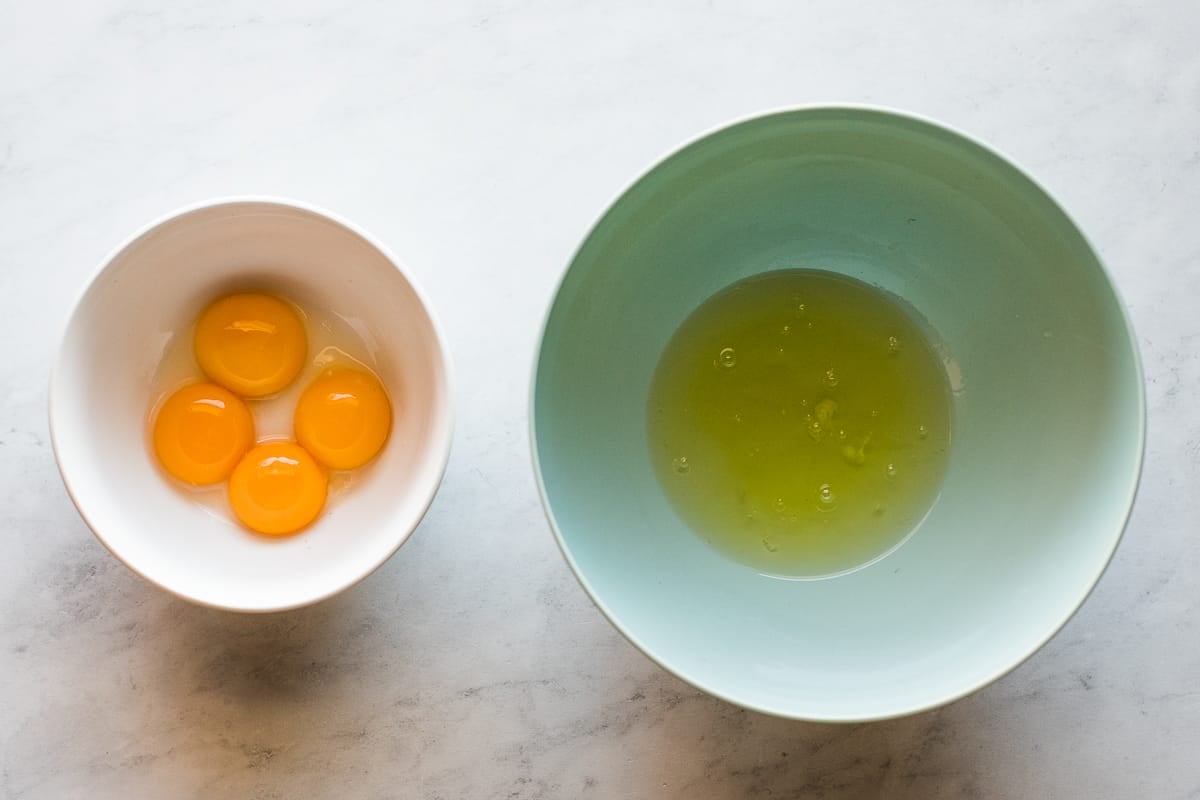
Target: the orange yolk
pixel 343 418
pixel 201 432
pixel 277 488
pixel 252 344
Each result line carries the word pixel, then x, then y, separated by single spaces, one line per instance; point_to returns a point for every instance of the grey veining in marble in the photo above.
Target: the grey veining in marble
pixel 479 139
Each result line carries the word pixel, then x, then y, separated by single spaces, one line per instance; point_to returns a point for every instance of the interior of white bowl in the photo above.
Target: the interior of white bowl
pixel 1048 404
pixel 101 393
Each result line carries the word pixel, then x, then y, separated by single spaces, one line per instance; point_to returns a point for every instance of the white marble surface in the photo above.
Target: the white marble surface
pixel 479 139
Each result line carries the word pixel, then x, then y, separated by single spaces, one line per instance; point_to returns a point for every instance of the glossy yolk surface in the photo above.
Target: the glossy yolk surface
pixel 252 344
pixel 277 488
pixel 343 418
pixel 201 432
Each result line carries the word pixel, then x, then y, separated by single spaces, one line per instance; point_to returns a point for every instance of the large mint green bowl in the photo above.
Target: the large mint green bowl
pixel 1048 401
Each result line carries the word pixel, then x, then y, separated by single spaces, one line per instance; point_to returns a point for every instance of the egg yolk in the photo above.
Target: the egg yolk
pixel 277 488
pixel 201 432
pixel 252 344
pixel 343 418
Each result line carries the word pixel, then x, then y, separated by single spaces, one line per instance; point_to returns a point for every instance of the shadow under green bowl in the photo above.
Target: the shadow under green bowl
pixel 1048 402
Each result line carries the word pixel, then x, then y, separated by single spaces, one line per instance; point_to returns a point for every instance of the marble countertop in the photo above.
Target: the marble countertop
pixel 479 139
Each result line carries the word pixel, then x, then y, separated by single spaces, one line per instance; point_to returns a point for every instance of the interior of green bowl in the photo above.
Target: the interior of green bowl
pixel 1048 407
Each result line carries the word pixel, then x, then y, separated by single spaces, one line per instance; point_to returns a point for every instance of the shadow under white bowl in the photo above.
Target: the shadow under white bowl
pixel 150 290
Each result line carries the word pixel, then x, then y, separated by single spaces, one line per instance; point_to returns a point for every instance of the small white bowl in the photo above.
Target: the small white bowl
pixel 148 291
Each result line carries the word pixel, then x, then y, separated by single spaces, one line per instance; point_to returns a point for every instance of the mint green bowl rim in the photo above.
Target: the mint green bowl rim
pixel 882 111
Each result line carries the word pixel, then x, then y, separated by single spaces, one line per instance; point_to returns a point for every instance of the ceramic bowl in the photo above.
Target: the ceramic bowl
pixel 144 296
pixel 1048 411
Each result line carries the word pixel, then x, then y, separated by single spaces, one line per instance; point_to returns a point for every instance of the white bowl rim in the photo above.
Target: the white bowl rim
pixel 1055 627
pixel 441 448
